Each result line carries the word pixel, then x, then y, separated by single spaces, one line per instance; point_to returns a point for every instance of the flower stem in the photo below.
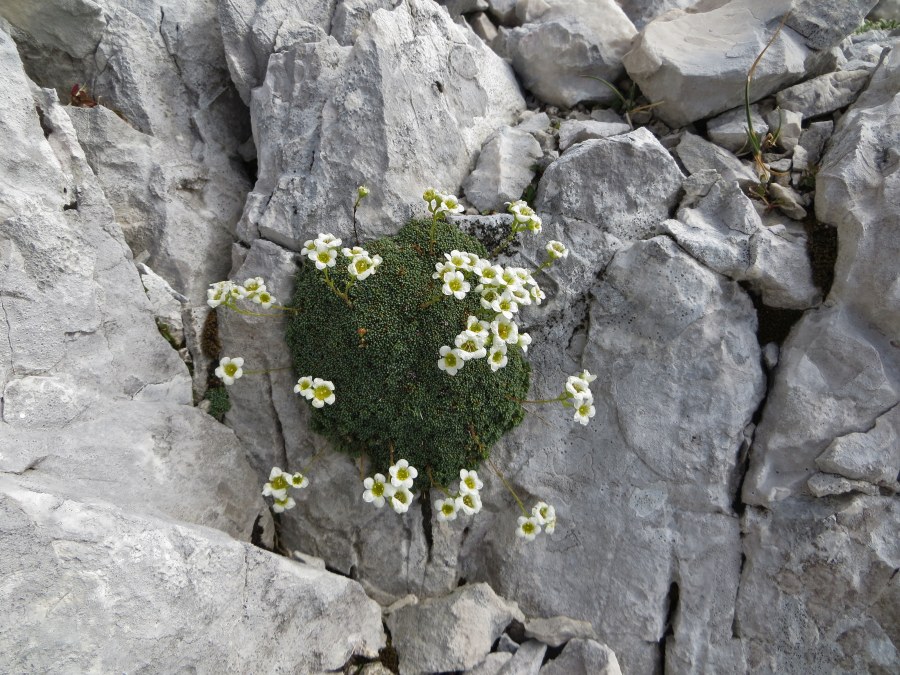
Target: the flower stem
pixel 333 287
pixel 434 218
pixel 558 399
pixel 506 242
pixel 247 312
pixel 509 488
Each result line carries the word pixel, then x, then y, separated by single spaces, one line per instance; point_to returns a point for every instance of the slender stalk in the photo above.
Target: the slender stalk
pixel 509 488
pixel 506 242
pixel 333 287
pixel 247 312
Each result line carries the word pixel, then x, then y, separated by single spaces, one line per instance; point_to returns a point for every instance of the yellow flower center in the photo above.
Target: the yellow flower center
pixel 528 527
pixel 322 392
pixel 230 369
pixel 279 483
pixel 378 489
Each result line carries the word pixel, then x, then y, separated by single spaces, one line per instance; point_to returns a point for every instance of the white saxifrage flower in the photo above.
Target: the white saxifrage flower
pixel 377 490
pixel 546 516
pixel 451 360
pixel 587 377
pixel 304 386
pixel 497 357
pixel 577 387
pixel 505 330
pixel 402 474
pixel 362 266
pixel 523 342
pixel 469 482
pixel 324 256
pixel 446 509
pixel 477 329
pixel 353 252
pixel 470 347
pixel 459 259
pixel 401 500
pixel 455 284
pixel 299 481
pixel 279 482
pixel 230 369
pixel 470 503
pixel 264 299
pixel 557 250
pixel 528 528
pixel 506 305
pixel 282 505
pixel 584 410
pixel 323 392
pixel 220 292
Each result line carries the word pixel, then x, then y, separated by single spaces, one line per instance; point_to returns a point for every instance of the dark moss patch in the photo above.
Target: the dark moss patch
pixel 219 403
pixel 382 357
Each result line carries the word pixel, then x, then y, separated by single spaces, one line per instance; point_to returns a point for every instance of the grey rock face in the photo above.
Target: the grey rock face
pixel 583 657
pixel 873 455
pixel 558 630
pixel 823 94
pixel 724 231
pixel 627 203
pixel 823 25
pixel 449 92
pixel 89 587
pixel 729 130
pixel 828 601
pixel 572 132
pixel 826 484
pixel 504 169
pixel 563 43
pixel 527 659
pixel 709 53
pixel 697 154
pixel 454 632
pixel 642 12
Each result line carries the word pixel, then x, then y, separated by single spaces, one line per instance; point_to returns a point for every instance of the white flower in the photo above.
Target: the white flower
pixel 587 377
pixel 402 474
pixel 299 481
pixel 279 482
pixel 282 505
pixel 520 210
pixel 441 268
pixel 577 387
pixel 469 482
pixel 469 503
pixel 509 277
pixel 537 294
pixel 327 239
pixel 505 305
pixel 455 285
pixel 353 252
pixel 401 500
pixel 528 528
pixel 497 356
pixel 458 259
pixel 362 191
pixel 474 260
pixel 323 256
pixel 584 411
pixel 446 509
pixel 309 246
pixel 377 489
pixel 477 329
pixel 524 341
pixel 470 347
pixel 264 298
pixel 543 512
pixel 253 286
pixel 556 250
pixel 449 204
pixel 505 330
pixel 230 369
pixel 362 266
pixel 323 392
pixel 488 295
pixel 534 224
pixel 220 292
pixel 489 275
pixel 304 386
pixel 520 295
pixel 451 360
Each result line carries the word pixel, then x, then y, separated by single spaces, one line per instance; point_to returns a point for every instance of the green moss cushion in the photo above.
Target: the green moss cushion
pixel 382 356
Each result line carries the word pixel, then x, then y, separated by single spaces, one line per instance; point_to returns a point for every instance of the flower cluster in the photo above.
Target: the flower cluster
pixel 578 395
pixel 317 391
pixel 467 498
pixel 323 251
pixel 277 488
pixel 227 293
pixel 524 217
pixel 542 516
pixel 441 203
pixel 503 291
pixel 397 490
pixel 230 369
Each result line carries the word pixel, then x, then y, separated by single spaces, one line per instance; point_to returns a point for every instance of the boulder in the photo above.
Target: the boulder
pixel 642 12
pixel 823 94
pixel 505 168
pixel 729 130
pixel 872 455
pixel 572 132
pixel 709 53
pixel 558 630
pixel 564 44
pixel 697 154
pixel 627 203
pixel 453 632
pixel 583 657
pixel 447 94
pixel 90 587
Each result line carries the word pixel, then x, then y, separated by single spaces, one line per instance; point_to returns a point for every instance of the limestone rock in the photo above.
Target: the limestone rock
pixel 527 659
pixel 167 304
pixel 697 154
pixel 813 140
pixel 827 484
pixel 564 43
pixel 709 53
pixel 447 94
pixel 627 203
pixel 558 630
pixel 492 664
pixel 350 18
pixel 823 94
pixel 642 12
pixel 787 200
pixel 835 376
pixel 504 169
pixel 828 601
pixel 572 132
pixel 873 455
pixel 87 584
pixel 503 10
pixel 453 632
pixel 583 657
pixel 856 186
pixel 483 26
pixel 729 130
pixel 823 25
pixel 788 124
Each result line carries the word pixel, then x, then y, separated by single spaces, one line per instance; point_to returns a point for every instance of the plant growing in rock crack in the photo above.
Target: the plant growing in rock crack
pixel 628 104
pixel 759 145
pixel 411 358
